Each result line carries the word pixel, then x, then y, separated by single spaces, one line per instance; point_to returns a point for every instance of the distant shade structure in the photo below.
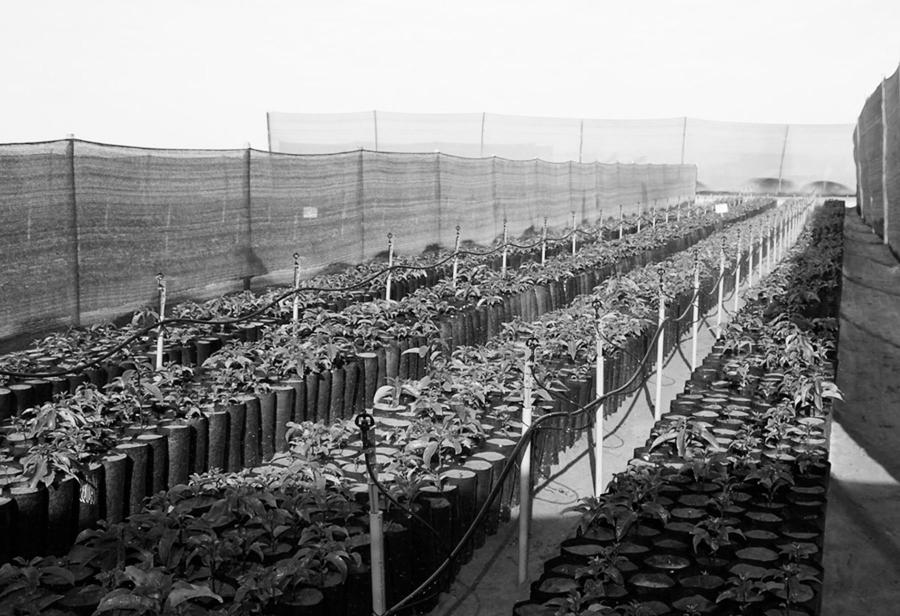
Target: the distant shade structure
pixel 730 156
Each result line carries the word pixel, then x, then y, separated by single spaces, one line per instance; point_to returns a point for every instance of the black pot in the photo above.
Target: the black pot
pixel 62 515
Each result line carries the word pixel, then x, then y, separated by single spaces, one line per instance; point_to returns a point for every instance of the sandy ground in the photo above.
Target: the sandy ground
pixel 488 584
pixel 862 534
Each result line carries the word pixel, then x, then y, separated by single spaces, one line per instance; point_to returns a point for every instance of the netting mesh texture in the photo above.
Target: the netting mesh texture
pixel 730 156
pixel 86 227
pixel 877 153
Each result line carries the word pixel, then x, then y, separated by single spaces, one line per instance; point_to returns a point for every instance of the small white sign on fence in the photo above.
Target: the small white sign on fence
pixel 721 208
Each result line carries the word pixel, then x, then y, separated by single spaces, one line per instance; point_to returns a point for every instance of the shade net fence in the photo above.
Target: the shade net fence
pixel 730 156
pixel 877 153
pixel 86 226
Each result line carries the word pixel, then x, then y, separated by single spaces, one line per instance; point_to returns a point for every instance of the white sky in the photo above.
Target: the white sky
pixel 203 73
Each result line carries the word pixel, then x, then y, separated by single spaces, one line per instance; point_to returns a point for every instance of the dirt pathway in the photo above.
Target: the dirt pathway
pixel 862 533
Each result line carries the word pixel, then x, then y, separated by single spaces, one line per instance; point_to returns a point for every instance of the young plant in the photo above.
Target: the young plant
pixel 400 391
pixel 713 533
pixel 688 438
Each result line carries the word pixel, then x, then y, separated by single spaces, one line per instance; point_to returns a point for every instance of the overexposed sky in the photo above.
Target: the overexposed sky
pixel 203 73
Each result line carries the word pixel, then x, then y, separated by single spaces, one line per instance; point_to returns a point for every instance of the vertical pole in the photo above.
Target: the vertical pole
pixel 544 243
pixel 770 256
pixel 884 182
pixel 621 221
pixel 376 539
pixel 859 171
pixel 640 215
pixel 387 283
pixel 505 246
pixel 483 117
pixel 657 414
pixel 574 233
pixel 695 322
pixel 737 271
pixel 375 126
pixel 456 257
pixel 75 235
pixel 667 213
pixel 678 215
pixel 296 308
pixel 525 466
pixel 598 416
pixel 581 141
pixel 161 288
pixel 787 128
pixel 750 259
pixel 248 206
pixel 721 286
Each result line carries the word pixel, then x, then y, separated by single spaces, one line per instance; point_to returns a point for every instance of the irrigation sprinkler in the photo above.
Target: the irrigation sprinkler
pixel 544 243
pixel 296 307
pixel 657 413
pixel 456 257
pixel 365 422
pixel 505 246
pixel 695 323
pixel 721 285
pixel 574 233
pixel 161 289
pixel 525 466
pixel 598 416
pixel 387 283
pixel 737 272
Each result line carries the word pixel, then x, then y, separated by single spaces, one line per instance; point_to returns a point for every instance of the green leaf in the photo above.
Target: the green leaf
pixel 429 452
pixel 123 599
pixel 183 591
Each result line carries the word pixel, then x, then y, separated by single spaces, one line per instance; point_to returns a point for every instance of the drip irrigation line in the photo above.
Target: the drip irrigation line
pixel 474 253
pixel 529 246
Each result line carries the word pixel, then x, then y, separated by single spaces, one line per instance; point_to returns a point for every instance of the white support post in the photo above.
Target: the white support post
pixel 598 416
pixel 505 247
pixel 544 243
pixel 621 220
pixel 387 283
pixel 295 313
pixel 750 259
pixel 160 335
pixel 456 257
pixel 737 272
pixel 574 233
pixel 657 415
pixel 695 323
pixel 376 543
pixel 678 213
pixel 721 286
pixel 770 256
pixel 667 213
pixel 640 216
pixel 525 467
pixel 885 211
